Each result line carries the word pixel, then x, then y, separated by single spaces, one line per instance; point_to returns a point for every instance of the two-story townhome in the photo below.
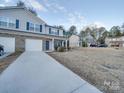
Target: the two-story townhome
pixel 115 41
pixel 21 30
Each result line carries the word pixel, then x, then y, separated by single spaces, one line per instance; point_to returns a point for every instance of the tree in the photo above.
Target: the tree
pixel 101 39
pixel 115 31
pixel 105 34
pixel 82 33
pixel 101 30
pixel 72 30
pixel 123 34
pixel 20 4
pixel 32 10
pixel 87 30
pixel 122 25
pixel 93 34
pixel 62 27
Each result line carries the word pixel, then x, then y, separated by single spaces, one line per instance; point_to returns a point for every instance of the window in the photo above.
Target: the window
pixel 57 32
pixel 34 27
pixel 64 33
pixel 11 24
pixel 17 23
pixel 7 22
pixel 37 28
pixel 31 26
pixel 40 28
pixel 27 27
pixel 50 32
pixel 3 22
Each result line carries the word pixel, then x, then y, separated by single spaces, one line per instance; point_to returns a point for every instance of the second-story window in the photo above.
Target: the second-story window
pixel 37 28
pixel 50 31
pixel 11 24
pixel 7 23
pixel 57 32
pixel 31 26
pixel 34 27
pixel 3 22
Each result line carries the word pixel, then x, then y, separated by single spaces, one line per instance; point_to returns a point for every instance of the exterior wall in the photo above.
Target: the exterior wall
pixel 20 40
pixel 33 45
pixel 61 32
pixel 74 41
pixel 119 41
pixel 21 36
pixel 50 45
pixel 8 43
pixel 23 17
pixel 54 30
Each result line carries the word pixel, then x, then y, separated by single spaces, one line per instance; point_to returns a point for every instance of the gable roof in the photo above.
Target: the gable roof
pixel 19 7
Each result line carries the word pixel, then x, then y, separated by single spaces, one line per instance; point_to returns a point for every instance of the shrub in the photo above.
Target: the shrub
pixel 84 44
pixel 56 47
pixel 60 49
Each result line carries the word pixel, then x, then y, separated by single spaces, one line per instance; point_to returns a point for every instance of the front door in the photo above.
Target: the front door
pixel 47 45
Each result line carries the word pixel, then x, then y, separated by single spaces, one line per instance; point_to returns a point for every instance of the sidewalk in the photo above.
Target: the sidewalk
pixel 36 72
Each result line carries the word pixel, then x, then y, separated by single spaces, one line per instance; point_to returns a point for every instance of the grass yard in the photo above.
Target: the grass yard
pixel 102 67
pixel 5 62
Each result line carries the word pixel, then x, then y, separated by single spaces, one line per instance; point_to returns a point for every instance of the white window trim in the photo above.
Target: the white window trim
pixel 8 20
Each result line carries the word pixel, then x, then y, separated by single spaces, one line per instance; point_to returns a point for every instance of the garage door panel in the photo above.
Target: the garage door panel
pixel 8 43
pixel 33 45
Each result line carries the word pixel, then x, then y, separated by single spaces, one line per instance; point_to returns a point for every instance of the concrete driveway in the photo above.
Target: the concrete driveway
pixel 36 72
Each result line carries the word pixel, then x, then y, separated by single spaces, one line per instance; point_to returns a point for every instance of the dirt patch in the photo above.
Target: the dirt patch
pixel 102 67
pixel 5 62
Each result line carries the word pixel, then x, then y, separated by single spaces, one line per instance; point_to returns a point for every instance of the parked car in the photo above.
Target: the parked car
pixel 102 45
pixel 1 50
pixel 93 45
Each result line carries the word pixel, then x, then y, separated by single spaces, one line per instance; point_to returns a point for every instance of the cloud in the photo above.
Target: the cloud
pixel 53 6
pixel 99 24
pixel 71 18
pixel 2 5
pixel 35 4
pixel 76 19
pixel 7 2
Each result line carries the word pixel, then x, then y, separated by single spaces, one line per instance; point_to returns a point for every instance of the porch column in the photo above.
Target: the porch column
pixel 66 41
pixel 53 44
pixel 62 43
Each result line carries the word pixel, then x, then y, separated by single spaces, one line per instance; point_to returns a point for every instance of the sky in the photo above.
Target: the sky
pixel 80 13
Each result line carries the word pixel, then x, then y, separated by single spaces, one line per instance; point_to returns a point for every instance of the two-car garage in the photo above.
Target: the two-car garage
pixel 9 44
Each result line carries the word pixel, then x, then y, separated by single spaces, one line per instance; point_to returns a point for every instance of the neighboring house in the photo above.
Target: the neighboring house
pixel 115 42
pixel 21 30
pixel 74 41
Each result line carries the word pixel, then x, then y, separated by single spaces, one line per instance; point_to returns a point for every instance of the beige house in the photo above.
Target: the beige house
pixel 115 42
pixel 74 41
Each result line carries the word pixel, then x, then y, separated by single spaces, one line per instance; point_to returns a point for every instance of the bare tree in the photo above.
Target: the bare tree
pixel 20 4
pixel 32 10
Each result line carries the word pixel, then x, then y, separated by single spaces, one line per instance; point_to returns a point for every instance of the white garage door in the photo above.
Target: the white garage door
pixel 8 43
pixel 33 45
